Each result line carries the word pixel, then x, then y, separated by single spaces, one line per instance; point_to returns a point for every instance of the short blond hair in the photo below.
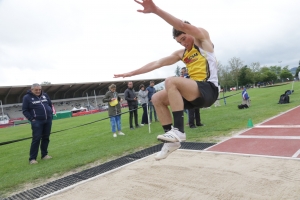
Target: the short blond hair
pixel 112 86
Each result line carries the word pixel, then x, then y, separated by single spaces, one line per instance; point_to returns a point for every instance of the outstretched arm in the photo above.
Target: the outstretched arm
pixel 149 7
pixel 169 60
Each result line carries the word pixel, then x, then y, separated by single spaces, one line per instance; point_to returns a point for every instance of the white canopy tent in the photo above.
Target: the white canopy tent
pixel 75 109
pixel 82 108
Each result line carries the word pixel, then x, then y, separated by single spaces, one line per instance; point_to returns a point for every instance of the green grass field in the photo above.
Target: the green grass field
pixel 79 148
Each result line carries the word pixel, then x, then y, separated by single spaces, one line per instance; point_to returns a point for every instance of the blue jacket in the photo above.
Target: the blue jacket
pixel 39 108
pixel 245 95
pixel 151 91
pixel 186 75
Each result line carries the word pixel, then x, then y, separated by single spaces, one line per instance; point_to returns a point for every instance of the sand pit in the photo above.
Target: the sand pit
pixel 195 175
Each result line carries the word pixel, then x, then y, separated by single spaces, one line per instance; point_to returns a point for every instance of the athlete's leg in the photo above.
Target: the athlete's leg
pixel 161 103
pixel 176 88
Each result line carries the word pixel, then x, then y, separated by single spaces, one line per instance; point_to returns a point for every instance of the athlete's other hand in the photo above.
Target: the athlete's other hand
pixel 123 75
pixel 149 6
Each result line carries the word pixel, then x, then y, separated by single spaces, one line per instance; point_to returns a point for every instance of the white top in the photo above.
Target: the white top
pixel 213 68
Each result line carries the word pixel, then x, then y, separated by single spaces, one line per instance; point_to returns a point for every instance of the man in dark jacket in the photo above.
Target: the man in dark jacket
pixel 37 108
pixel 132 102
pixel 151 91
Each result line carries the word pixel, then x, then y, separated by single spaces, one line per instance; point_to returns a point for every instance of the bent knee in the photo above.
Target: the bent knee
pixel 169 80
pixel 159 97
pixel 155 98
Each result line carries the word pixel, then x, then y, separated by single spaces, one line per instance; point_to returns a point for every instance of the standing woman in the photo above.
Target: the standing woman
pixel 143 96
pixel 114 109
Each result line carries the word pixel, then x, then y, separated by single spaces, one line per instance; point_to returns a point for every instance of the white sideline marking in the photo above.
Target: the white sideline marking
pixel 296 154
pixel 258 126
pixel 268 137
pixel 241 154
pixel 84 181
pixel 277 126
pixel 242 131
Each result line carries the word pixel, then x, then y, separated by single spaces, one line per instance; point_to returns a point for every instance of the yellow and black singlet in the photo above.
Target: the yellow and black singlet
pixel 201 65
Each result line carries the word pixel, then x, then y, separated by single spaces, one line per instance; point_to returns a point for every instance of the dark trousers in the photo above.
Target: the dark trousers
pixel 145 115
pixel 194 114
pixel 40 135
pixel 132 113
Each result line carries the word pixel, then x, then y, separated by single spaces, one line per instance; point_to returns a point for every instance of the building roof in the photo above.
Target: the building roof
pixel 14 94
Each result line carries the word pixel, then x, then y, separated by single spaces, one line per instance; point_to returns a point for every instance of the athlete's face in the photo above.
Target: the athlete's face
pixel 185 40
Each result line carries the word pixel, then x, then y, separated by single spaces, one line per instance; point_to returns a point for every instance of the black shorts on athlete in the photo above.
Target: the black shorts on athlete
pixel 208 95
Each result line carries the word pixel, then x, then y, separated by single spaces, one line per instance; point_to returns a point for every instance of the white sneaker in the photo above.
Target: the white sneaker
pixel 142 124
pixel 115 135
pixel 173 135
pixel 167 149
pixel 120 133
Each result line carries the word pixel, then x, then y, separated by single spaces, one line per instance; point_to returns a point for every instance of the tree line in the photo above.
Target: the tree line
pixel 236 74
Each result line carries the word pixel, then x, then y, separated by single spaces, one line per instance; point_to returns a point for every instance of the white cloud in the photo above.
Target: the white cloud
pixel 83 41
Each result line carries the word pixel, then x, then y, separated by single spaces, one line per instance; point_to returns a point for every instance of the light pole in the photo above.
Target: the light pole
pixel 87 98
pixel 96 99
pixel 280 68
pixel 2 110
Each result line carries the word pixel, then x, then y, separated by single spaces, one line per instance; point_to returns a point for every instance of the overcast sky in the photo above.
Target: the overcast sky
pixel 72 41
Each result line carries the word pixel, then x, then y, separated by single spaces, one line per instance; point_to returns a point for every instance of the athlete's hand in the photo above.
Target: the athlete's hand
pixel 149 6
pixel 123 75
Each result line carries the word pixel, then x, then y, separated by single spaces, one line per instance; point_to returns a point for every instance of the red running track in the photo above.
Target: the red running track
pixel 280 142
pixel 290 118
pixel 273 132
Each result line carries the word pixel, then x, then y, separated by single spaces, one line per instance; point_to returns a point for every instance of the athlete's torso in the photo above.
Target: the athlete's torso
pixel 201 65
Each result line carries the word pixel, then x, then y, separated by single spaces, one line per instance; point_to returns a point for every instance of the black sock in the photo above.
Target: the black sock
pixel 167 127
pixel 178 120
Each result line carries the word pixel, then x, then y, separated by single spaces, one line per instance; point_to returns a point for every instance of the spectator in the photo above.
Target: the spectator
pixel 245 97
pixel 131 99
pixel 194 115
pixel 114 109
pixel 184 72
pixel 151 91
pixel 37 108
pixel 143 96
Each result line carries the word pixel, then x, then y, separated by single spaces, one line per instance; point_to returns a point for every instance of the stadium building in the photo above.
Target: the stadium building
pixel 65 97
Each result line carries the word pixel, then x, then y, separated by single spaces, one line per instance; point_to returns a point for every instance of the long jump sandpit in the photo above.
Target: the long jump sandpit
pixel 197 175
